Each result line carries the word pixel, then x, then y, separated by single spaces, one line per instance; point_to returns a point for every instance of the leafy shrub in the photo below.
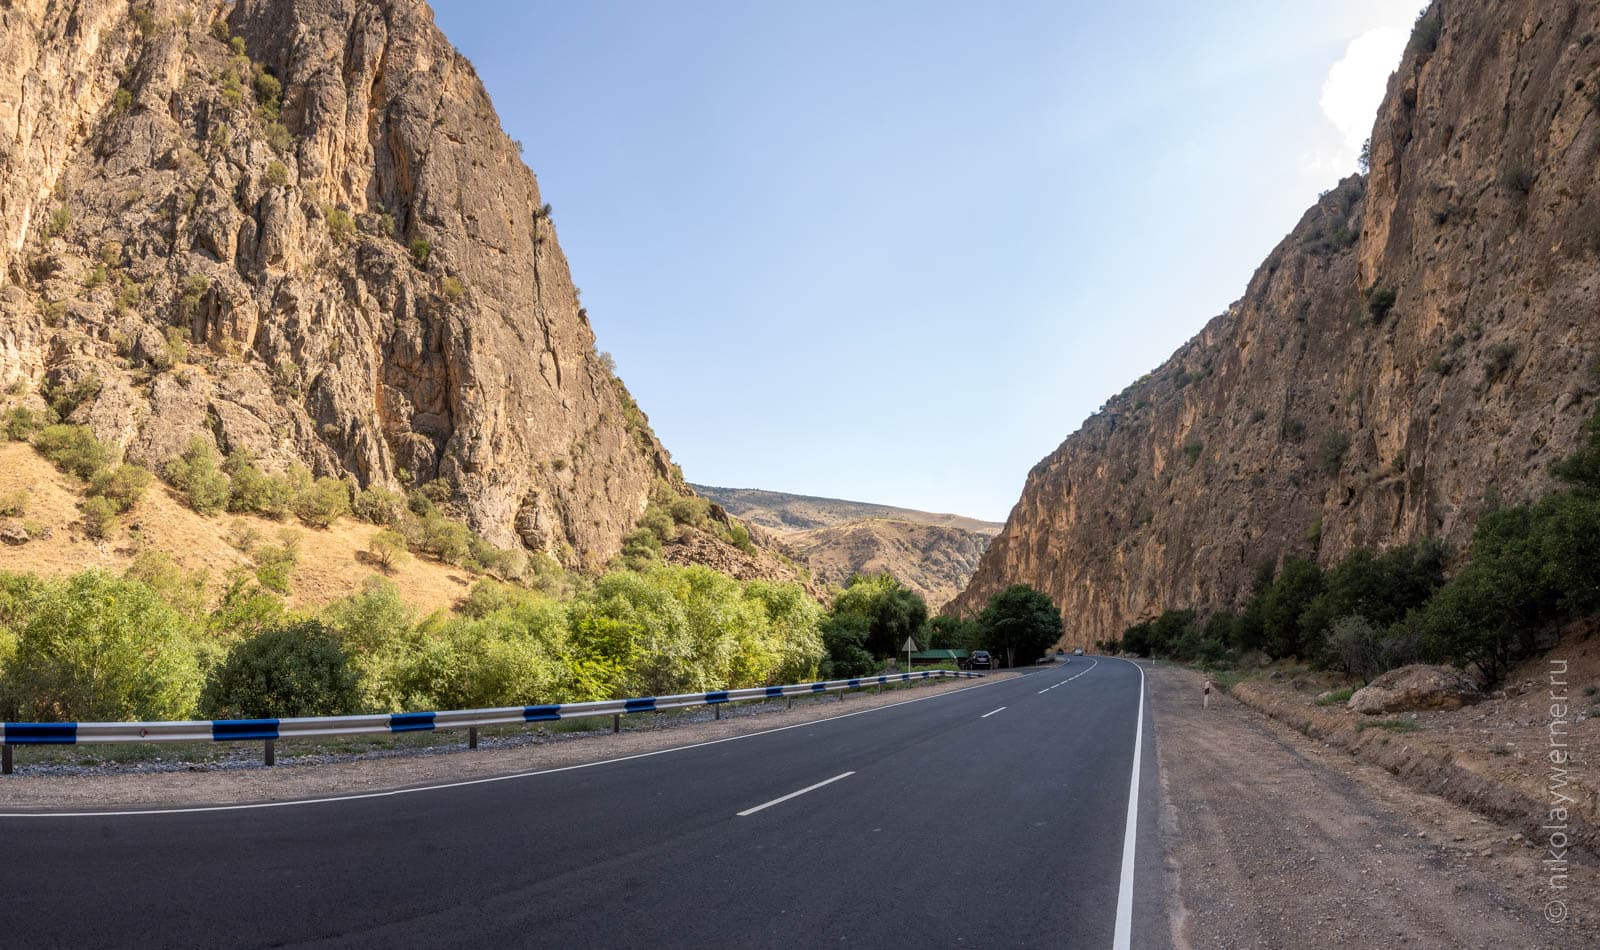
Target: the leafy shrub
pixel 14 504
pixel 252 490
pixel 452 288
pixel 1380 300
pixel 420 250
pixel 479 663
pixel 93 647
pixel 1498 362
pixel 340 225
pixel 378 505
pixel 1518 179
pixel 21 423
pixel 1425 33
pixel 387 548
pixel 275 564
pixel 323 503
pixel 122 485
pixel 74 449
pixel 59 221
pixel 277 174
pixel 184 591
pixel 269 94
pixel 435 534
pixel 1192 450
pixel 1330 454
pixel 1357 647
pixel 297 669
pixel 99 517
pixel 205 487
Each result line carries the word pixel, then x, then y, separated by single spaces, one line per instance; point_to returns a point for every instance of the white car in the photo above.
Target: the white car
pixel 1078 652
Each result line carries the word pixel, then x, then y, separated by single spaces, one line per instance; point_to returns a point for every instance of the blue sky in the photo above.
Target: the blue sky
pixel 897 251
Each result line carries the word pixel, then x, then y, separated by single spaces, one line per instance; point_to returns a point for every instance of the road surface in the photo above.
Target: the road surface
pixel 995 816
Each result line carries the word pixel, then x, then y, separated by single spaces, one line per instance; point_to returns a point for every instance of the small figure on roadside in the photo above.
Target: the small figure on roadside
pixel 1205 696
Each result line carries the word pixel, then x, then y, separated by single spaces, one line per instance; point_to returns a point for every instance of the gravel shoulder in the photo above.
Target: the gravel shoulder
pixel 1272 839
pixel 244 780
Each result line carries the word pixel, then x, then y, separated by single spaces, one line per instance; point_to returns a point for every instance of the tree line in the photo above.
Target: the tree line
pixel 1530 569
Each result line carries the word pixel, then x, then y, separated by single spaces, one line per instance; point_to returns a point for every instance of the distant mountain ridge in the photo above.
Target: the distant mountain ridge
pixel 933 554
pixel 784 512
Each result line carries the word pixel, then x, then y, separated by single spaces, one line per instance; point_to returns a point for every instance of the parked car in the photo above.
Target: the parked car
pixel 1078 652
pixel 980 660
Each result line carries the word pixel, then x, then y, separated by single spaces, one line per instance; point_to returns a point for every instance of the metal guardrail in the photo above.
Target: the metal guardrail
pixel 271 730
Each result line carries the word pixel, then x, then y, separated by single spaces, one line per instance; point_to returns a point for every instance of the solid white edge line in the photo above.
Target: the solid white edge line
pixel 779 801
pixel 1123 937
pixel 992 712
pixel 389 793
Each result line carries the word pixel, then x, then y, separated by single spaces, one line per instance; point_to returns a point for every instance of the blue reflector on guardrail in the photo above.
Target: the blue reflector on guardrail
pixel 411 722
pixel 225 729
pixel 774 690
pixel 546 713
pixel 720 696
pixel 41 733
pixel 647 704
pixel 855 683
pixel 819 687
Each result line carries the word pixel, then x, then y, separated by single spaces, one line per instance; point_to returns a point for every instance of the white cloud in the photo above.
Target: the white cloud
pixel 1355 85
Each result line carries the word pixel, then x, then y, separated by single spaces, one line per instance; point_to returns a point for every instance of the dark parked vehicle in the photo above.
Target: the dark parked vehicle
pixel 980 660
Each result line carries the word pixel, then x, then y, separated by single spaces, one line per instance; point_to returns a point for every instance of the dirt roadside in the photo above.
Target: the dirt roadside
pixel 289 780
pixel 1272 839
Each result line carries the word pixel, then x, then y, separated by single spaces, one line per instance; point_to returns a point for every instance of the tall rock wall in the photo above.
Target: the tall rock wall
pixel 358 273
pixel 1310 419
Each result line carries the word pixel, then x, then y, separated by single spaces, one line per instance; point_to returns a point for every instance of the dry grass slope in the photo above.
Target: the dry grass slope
pixel 332 563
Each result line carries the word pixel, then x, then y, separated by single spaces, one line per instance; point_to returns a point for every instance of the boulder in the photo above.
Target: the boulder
pixel 13 533
pixel 1414 687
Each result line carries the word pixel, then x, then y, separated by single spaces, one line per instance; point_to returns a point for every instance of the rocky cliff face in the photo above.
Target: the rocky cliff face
pixel 1423 344
pixel 296 227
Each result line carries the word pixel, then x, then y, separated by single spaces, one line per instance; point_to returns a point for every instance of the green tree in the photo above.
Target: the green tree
pixel 195 473
pixel 297 669
pixel 1021 623
pixel 323 503
pixel 892 611
pixel 98 648
pixel 74 449
pixel 1298 584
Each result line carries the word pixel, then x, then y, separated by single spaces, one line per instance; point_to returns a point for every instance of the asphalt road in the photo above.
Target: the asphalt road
pixel 948 821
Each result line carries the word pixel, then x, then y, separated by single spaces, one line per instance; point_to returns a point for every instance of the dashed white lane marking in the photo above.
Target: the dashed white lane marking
pixel 991 712
pixel 389 793
pixel 1092 665
pixel 781 800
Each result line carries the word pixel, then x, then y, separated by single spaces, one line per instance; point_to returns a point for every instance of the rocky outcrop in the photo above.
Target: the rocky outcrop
pixel 296 227
pixel 1412 688
pixel 933 560
pixel 1419 349
pixel 933 554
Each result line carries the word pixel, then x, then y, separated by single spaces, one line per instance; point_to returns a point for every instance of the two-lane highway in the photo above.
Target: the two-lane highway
pixel 991 816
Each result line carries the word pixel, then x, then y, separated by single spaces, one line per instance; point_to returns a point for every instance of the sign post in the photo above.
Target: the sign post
pixel 910 647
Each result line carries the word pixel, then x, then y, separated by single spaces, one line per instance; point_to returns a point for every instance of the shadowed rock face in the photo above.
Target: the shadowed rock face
pixel 370 285
pixel 1309 420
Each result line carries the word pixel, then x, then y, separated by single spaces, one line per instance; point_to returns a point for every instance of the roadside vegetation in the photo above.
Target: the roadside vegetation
pixel 1531 569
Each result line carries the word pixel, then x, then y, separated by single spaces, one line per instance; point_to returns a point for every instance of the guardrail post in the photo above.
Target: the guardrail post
pixel 5 759
pixel 842 692
pixel 791 703
pixel 616 722
pixel 472 737
pixel 270 757
pixel 718 708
